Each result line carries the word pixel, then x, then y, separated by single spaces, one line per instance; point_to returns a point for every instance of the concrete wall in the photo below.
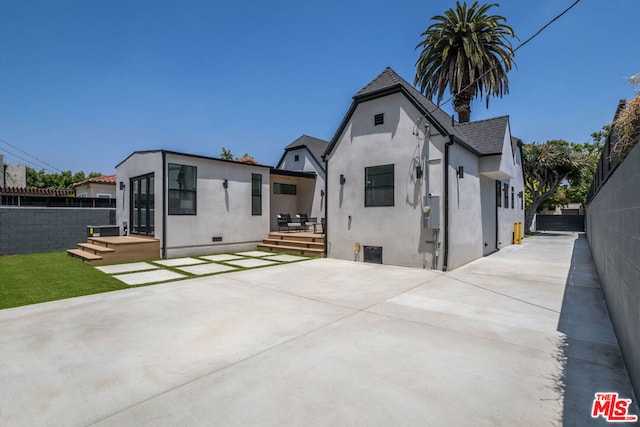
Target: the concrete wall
pixel 221 212
pixel 33 230
pixel 397 229
pixel 12 175
pixel 613 231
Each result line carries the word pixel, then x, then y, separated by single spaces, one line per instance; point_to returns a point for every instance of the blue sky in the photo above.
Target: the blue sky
pixel 83 84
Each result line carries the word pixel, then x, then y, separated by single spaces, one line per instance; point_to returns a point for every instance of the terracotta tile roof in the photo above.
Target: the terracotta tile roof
pixel 104 179
pixel 38 192
pixel 248 160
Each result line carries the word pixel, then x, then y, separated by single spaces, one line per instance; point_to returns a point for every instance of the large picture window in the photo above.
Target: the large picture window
pixel 505 193
pixel 256 194
pixel 379 186
pixel 182 189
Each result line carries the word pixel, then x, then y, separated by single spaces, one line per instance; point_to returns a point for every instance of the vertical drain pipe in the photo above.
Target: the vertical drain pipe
pixel 445 258
pixel 164 205
pixel 326 203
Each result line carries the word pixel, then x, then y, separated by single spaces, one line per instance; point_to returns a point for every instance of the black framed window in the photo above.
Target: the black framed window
pixel 498 194
pixel 279 188
pixel 506 195
pixel 379 186
pixel 256 194
pixel 512 198
pixel 182 189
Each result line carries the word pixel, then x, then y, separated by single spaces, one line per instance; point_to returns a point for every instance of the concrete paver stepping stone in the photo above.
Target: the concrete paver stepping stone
pixel 179 261
pixel 287 258
pixel 251 262
pixel 126 268
pixel 153 276
pixel 255 253
pixel 203 269
pixel 222 257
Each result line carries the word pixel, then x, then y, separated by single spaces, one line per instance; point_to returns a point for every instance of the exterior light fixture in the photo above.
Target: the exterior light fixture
pixel 520 194
pixel 121 186
pixel 418 172
pixel 460 172
pixel 225 183
pixel 342 179
pixel 321 193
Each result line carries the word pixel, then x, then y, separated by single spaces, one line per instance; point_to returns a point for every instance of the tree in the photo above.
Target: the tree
pixel 627 124
pixel 467 51
pixel 62 181
pixel 226 154
pixel 546 167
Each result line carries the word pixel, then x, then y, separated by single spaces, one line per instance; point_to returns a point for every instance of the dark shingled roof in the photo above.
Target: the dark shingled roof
pixel 389 79
pixel 315 146
pixel 483 137
pixel 486 136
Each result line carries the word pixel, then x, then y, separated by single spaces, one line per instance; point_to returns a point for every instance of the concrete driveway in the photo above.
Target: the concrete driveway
pixel 323 342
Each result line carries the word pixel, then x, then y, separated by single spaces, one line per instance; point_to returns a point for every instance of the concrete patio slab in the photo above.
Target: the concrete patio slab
pixel 126 268
pixel 202 269
pixel 176 262
pixel 251 262
pixel 255 253
pixel 153 276
pixel 221 257
pixel 287 258
pixel 323 342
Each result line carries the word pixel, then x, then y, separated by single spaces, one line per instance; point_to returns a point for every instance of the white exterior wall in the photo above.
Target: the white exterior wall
pixel 507 216
pixel 465 209
pixel 221 212
pixel 136 165
pixel 397 229
pixel 306 163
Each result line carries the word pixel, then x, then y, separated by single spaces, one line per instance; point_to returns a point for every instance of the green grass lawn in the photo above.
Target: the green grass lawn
pixel 30 279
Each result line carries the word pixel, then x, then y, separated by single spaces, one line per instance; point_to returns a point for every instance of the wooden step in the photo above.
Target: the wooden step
pixel 94 249
pixel 291 249
pixel 294 243
pixel 83 255
pixel 304 237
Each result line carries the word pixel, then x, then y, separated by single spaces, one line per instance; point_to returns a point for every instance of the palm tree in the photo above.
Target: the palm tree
pixel 467 51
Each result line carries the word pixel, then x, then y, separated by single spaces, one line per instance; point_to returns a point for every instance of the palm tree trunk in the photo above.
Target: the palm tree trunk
pixel 462 105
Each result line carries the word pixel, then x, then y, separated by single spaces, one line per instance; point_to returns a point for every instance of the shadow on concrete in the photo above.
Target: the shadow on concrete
pixel 590 356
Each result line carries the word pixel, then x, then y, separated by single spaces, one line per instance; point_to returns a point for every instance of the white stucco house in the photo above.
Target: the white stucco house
pixel 408 185
pixel 192 204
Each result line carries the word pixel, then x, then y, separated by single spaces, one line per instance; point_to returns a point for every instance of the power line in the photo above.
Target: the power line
pixel 20 157
pixel 33 157
pixel 544 27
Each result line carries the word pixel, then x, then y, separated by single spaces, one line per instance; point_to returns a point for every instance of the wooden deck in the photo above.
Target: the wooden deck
pixel 106 250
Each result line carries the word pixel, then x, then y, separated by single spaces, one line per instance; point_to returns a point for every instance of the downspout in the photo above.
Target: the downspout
pixel 326 202
pixel 445 258
pixel 164 206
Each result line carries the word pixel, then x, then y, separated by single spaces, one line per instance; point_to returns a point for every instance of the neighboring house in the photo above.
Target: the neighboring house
pixel 193 204
pixel 408 185
pixel 298 180
pixel 97 187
